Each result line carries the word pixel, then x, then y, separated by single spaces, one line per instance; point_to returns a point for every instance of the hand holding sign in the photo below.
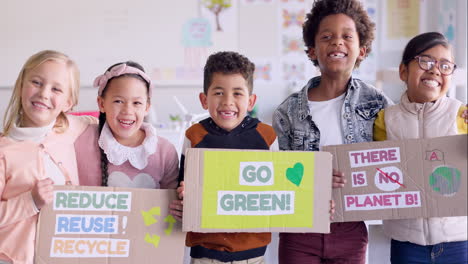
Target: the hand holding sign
pixel 43 192
pixel 177 206
pixel 338 180
pixel 332 209
pixel 181 190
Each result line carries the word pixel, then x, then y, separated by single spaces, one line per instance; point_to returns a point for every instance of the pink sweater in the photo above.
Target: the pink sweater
pixel 21 166
pixel 162 168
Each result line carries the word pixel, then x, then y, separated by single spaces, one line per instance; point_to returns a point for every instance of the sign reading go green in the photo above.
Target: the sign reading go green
pixel 268 187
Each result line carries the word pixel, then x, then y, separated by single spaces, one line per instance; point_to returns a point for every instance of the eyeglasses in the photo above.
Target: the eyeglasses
pixel 427 63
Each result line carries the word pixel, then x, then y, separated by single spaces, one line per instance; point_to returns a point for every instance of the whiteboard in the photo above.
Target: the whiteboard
pixel 99 33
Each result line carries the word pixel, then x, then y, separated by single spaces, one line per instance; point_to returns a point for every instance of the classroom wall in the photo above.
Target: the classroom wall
pixel 97 35
pixel 93 31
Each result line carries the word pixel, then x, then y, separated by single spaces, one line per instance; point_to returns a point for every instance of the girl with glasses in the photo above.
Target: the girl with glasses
pixel 425 112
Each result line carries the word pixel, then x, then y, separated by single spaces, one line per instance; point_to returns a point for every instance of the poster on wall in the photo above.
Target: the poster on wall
pixel 256 191
pixel 221 14
pixel 401 20
pixel 296 68
pixel 196 40
pixel 109 225
pixel 401 179
pixel 266 71
pixel 215 28
pixel 257 2
pixel 447 19
pixel 367 70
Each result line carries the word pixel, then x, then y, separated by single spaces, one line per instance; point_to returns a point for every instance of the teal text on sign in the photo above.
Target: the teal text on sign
pixel 250 203
pixel 256 173
pixel 92 200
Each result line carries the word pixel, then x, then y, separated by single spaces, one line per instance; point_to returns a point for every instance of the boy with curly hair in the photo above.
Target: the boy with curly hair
pixel 227 95
pixel 331 109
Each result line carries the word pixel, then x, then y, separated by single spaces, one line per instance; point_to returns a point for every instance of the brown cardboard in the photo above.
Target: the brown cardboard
pixel 142 229
pixel 219 181
pixel 416 194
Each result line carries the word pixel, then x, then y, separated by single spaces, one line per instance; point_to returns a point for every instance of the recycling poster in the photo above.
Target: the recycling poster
pixel 256 191
pixel 401 179
pixel 109 225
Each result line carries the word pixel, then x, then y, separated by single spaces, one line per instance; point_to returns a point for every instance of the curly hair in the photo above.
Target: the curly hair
pixel 228 62
pixel 352 8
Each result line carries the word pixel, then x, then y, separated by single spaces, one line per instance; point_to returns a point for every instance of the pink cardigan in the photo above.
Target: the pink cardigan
pixel 21 165
pixel 163 165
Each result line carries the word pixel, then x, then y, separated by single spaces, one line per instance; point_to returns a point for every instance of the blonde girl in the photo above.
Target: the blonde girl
pixel 36 148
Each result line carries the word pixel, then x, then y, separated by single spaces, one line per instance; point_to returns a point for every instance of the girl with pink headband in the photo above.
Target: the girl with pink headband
pixel 123 149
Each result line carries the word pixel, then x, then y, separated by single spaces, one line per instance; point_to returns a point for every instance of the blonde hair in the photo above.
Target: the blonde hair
pixel 14 111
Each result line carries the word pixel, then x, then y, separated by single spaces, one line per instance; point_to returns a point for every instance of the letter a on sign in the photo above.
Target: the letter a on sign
pixel 434 155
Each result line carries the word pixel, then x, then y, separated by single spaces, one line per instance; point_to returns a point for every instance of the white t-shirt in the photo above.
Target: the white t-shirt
pixel 327 117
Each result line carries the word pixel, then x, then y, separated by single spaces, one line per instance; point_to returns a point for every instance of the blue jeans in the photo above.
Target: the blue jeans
pixel 443 253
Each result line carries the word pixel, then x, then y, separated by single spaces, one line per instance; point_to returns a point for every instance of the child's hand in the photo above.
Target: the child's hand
pixel 176 209
pixel 177 206
pixel 181 190
pixel 338 180
pixel 43 192
pixel 332 209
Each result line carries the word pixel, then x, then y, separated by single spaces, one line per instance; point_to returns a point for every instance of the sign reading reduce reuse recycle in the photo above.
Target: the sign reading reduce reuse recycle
pixel 109 225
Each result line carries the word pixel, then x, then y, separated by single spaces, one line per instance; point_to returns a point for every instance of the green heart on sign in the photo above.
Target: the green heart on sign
pixel 295 173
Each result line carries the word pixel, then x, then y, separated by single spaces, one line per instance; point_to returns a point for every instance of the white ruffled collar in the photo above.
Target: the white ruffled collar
pixel 117 153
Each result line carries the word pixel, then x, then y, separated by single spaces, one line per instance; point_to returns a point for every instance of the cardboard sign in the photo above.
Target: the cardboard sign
pixel 401 179
pixel 256 191
pixel 109 225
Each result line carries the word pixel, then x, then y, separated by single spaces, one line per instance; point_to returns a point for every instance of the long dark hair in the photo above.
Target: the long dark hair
pixel 102 115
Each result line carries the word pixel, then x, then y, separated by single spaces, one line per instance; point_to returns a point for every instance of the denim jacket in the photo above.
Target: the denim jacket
pixel 296 130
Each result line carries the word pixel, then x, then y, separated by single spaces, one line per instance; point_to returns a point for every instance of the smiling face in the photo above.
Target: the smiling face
pixel 228 100
pixel 337 45
pixel 46 92
pixel 427 85
pixel 125 104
